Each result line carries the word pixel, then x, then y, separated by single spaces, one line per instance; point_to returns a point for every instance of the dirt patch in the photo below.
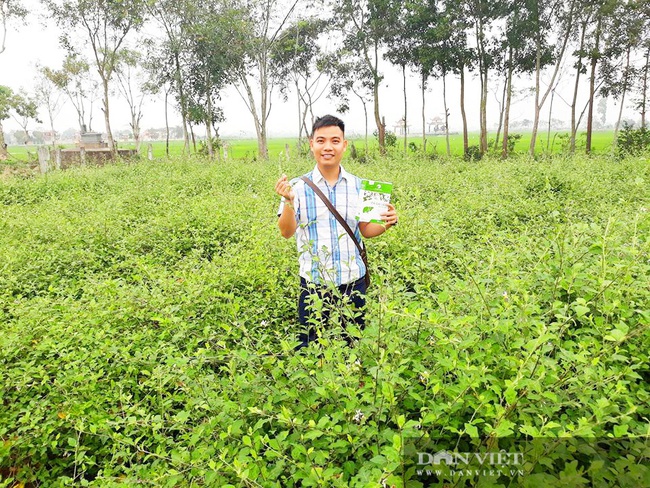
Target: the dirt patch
pixel 21 171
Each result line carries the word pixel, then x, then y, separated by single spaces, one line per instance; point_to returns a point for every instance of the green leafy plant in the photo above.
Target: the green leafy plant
pixel 148 320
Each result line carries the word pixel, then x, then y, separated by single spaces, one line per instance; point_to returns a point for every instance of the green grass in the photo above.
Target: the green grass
pixel 148 315
pixel 247 148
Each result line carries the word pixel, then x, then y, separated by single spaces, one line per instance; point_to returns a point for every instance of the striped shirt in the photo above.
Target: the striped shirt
pixel 327 254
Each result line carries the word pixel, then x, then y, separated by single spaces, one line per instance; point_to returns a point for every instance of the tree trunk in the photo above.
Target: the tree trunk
pixel 381 128
pixel 183 103
pixel 539 102
pixel 502 107
pixel 538 67
pixel 136 133
pixel 51 116
pixel 192 136
pixel 208 130
pixel 444 102
pixel 107 122
pixel 506 112
pixel 405 107
pixel 300 119
pixel 483 76
pixel 484 94
pixel 574 126
pixel 550 117
pixel 625 82
pixel 260 130
pixel 166 124
pixel 424 118
pixel 592 84
pixel 644 87
pixel 365 115
pixel 304 123
pixel 4 155
pixel 208 139
pixel 462 111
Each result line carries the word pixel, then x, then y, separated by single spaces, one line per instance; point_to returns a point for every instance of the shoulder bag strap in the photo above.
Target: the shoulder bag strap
pixel 344 224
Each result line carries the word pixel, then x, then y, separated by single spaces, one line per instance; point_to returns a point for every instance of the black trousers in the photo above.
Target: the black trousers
pixel 316 303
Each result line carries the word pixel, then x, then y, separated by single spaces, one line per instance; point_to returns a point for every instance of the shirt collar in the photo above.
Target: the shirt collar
pixel 317 177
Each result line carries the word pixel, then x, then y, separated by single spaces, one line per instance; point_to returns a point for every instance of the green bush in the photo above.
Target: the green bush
pixel 148 316
pixel 631 141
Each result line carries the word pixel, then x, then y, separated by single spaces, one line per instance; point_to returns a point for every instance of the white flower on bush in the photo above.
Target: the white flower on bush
pixel 358 416
pixel 424 377
pixel 264 323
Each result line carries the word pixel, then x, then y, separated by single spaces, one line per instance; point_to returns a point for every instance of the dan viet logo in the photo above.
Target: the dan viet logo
pixel 470 463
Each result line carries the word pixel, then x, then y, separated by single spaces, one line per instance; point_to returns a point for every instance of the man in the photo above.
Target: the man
pixel 330 264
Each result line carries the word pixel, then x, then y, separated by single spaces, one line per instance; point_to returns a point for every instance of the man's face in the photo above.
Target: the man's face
pixel 328 145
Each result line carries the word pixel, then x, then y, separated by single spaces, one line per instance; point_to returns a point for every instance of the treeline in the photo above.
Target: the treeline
pixel 188 52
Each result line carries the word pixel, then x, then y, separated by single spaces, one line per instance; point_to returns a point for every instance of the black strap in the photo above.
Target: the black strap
pixel 344 224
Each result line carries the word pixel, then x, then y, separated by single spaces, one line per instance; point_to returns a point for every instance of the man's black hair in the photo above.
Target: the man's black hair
pixel 327 121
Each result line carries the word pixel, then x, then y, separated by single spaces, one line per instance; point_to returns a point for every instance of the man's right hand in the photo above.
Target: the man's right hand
pixel 283 188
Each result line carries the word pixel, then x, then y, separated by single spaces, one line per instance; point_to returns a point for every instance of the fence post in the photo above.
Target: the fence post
pixel 286 151
pixel 150 152
pixel 43 158
pixel 82 155
pixel 57 156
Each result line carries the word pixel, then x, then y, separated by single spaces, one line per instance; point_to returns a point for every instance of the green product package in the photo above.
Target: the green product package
pixel 373 200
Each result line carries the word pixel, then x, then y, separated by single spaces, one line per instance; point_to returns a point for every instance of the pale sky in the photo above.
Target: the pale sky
pixel 37 42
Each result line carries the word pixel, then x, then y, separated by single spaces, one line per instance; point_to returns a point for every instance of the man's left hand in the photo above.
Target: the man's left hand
pixel 390 216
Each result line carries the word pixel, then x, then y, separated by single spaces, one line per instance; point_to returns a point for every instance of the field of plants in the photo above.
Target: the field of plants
pixel 247 148
pixel 148 318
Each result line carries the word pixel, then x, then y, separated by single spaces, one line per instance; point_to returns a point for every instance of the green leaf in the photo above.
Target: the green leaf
pixel 471 430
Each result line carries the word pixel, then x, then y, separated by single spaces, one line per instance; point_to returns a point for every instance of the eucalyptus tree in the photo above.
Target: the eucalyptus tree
pixel 350 75
pixel 527 49
pixel 520 56
pixel 168 53
pixel 160 77
pixel 7 103
pixel 583 21
pixel 597 51
pixel 641 87
pixel 105 25
pixel 264 24
pixel 484 16
pixel 9 10
pixel 366 27
pixel 641 101
pixel 617 69
pixel 457 56
pixel 298 60
pixel 215 39
pixel 23 108
pixel 131 85
pixel 402 52
pixel 643 49
pixel 49 96
pixel 551 25
pixel 75 81
pixel 417 44
pixel 438 36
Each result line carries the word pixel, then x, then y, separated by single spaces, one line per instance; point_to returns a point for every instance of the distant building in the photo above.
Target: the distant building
pixel 398 127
